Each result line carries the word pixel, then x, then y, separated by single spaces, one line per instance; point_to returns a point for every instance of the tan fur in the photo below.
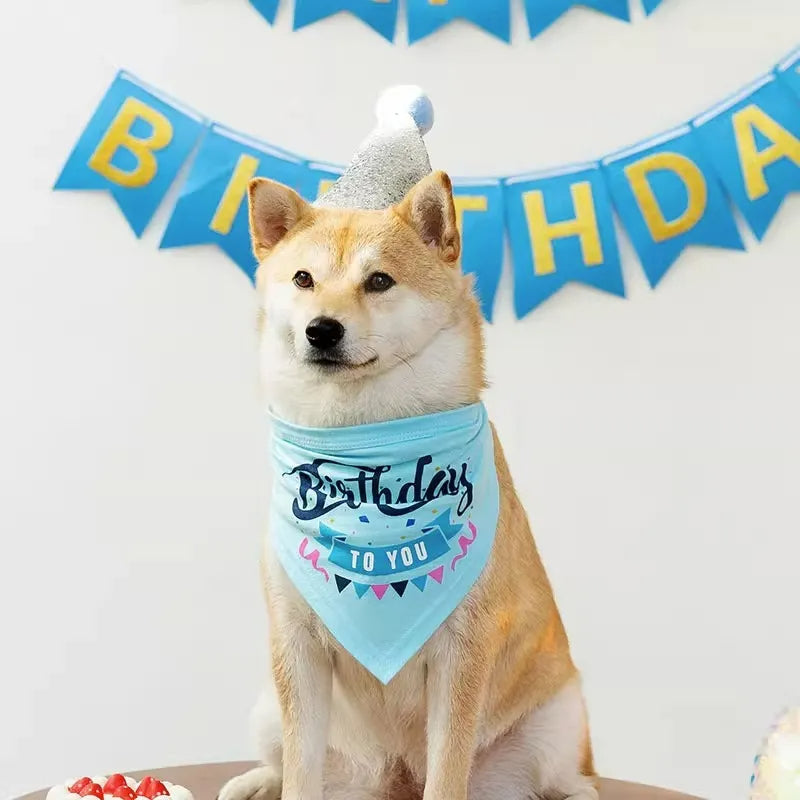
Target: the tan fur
pixel 455 722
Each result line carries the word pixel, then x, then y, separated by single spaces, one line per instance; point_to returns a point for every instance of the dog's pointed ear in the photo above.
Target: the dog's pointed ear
pixel 274 210
pixel 428 208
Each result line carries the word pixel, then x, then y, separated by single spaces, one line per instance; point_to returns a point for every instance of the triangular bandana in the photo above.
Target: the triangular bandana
pixel 379 507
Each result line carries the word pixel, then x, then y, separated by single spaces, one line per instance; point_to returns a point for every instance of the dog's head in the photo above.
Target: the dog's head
pixel 365 309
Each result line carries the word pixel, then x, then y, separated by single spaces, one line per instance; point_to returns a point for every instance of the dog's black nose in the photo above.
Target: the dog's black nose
pixel 324 333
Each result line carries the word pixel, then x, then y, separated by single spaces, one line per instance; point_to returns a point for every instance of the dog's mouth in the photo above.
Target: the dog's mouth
pixel 331 363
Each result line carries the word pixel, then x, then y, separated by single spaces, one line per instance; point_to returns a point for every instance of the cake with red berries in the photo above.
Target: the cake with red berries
pixel 118 787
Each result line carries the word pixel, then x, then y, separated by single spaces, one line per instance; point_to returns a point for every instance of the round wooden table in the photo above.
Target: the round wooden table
pixel 205 780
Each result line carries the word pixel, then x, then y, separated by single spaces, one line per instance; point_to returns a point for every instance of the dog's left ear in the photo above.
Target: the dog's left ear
pixel 274 210
pixel 429 209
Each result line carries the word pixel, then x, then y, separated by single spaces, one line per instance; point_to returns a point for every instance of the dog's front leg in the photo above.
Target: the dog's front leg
pixel 303 678
pixel 455 691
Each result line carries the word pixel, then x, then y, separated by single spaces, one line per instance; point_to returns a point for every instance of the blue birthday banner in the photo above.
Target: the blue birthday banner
pixel 674 191
pixel 427 16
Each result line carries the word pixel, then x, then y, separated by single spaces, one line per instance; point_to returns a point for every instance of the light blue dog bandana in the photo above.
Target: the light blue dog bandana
pixel 384 528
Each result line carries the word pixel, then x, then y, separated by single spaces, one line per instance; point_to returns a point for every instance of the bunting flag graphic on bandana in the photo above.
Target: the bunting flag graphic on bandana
pixel 133 147
pixel 267 8
pixel 212 207
pixel 381 15
pixel 481 222
pixel 561 229
pixel 542 14
pixel 753 140
pixel 427 16
pixel 668 198
pixel 385 528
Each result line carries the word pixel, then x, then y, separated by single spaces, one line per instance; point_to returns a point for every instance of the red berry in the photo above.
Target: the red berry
pixel 113 783
pixel 144 787
pixel 158 790
pixel 93 789
pixel 125 793
pixel 151 788
pixel 79 784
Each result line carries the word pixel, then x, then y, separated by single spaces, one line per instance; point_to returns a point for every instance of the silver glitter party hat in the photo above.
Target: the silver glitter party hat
pixel 392 159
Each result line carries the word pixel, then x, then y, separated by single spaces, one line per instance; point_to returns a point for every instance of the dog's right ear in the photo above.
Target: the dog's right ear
pixel 274 210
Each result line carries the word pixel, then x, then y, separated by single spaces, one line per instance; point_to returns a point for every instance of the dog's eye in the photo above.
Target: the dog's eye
pixel 303 280
pixel 378 282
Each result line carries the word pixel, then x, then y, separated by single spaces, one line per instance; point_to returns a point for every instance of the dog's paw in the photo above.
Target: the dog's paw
pixel 261 783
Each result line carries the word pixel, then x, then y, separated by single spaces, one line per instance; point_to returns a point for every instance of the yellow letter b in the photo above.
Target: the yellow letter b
pixel 544 233
pixel 119 135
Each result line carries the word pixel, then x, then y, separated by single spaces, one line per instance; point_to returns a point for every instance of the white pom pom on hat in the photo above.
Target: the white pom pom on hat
pixel 410 100
pixel 392 159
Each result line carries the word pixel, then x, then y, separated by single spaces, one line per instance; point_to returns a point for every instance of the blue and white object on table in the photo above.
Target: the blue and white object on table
pixel 753 141
pixel 668 197
pixel 133 147
pixel 380 15
pixel 561 228
pixel 267 8
pixel 212 206
pixel 427 16
pixel 542 14
pixel 481 222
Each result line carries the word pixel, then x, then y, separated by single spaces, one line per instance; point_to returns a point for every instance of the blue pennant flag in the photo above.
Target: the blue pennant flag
pixel 318 178
pixel 788 71
pixel 668 197
pixel 427 16
pixel 133 147
pixel 481 221
pixel 561 228
pixel 753 141
pixel 267 8
pixel 381 15
pixel 212 206
pixel 542 14
pixel 650 6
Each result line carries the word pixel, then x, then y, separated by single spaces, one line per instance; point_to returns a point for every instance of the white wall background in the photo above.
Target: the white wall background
pixel 656 441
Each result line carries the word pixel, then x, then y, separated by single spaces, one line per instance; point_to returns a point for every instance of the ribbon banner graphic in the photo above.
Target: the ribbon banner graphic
pixel 670 192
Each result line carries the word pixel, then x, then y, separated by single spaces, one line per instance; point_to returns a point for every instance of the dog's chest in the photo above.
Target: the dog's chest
pixel 368 716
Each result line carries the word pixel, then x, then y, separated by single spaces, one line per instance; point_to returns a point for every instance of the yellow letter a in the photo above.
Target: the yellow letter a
pixel 784 145
pixel 119 135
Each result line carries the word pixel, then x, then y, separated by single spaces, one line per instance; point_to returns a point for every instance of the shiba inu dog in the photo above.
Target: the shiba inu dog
pixel 367 317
